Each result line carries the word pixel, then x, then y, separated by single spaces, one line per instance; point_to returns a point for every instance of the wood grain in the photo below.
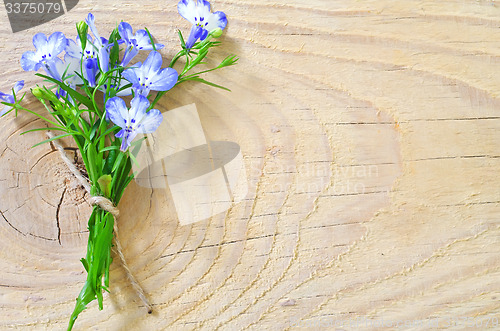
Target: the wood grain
pixel 370 137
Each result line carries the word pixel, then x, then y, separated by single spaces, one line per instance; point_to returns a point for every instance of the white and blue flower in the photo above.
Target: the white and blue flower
pixel 46 55
pixel 149 75
pixel 134 42
pixel 101 44
pixel 9 98
pixel 88 56
pixel 69 71
pixel 203 20
pixel 134 120
pixel 94 56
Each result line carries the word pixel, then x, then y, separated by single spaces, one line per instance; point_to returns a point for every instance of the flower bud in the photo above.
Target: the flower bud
pixel 216 33
pixel 44 93
pixel 82 29
pixel 37 92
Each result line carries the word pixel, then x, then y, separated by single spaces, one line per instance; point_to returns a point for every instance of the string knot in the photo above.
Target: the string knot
pixel 105 204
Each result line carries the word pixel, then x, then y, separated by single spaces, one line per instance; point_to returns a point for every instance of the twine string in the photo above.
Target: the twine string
pixel 108 206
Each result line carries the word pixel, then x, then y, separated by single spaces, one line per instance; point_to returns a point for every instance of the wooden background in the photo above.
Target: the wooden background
pixel 369 131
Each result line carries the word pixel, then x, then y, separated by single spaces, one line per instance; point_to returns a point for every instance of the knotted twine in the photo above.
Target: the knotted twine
pixel 108 206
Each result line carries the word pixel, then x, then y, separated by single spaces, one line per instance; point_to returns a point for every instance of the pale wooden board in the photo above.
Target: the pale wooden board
pixel 369 131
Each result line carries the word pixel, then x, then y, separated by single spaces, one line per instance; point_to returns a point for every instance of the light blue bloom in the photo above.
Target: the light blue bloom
pixel 9 98
pixel 101 44
pixel 149 75
pixel 134 120
pixel 94 56
pixel 88 56
pixel 134 42
pixel 69 71
pixel 46 53
pixel 203 20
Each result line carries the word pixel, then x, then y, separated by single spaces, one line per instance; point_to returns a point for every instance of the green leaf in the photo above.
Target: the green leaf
pixel 51 139
pixel 201 80
pixel 181 38
pixel 109 148
pixel 85 264
pixel 115 53
pixel 118 161
pixel 114 36
pixel 77 96
pixel 43 129
pixel 151 39
pixel 202 54
pixel 94 130
pixel 228 61
pixel 105 184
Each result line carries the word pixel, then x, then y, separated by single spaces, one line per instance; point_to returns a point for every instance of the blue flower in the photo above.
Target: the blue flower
pixel 100 43
pixel 46 53
pixel 9 98
pixel 149 75
pixel 132 121
pixel 88 56
pixel 134 42
pixel 94 56
pixel 70 69
pixel 202 19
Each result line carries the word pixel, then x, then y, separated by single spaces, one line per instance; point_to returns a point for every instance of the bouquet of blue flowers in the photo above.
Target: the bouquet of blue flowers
pixel 83 98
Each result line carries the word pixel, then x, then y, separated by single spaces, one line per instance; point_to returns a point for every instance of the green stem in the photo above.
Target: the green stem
pixel 97 261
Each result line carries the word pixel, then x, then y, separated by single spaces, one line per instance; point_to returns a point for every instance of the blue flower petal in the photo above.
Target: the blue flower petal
pixel 221 19
pixel 18 86
pixel 204 34
pixel 91 69
pixel 165 80
pixel 29 61
pixel 194 35
pixel 187 9
pixel 204 6
pixel 127 141
pixel 138 107
pixel 117 111
pixel 151 121
pixel 90 20
pixel 152 63
pixel 51 68
pixel 56 44
pixel 120 134
pixel 104 59
pixel 73 49
pixel 4 97
pixel 131 75
pixel 125 31
pixel 9 98
pixel 40 42
pixel 130 53
pixel 217 20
